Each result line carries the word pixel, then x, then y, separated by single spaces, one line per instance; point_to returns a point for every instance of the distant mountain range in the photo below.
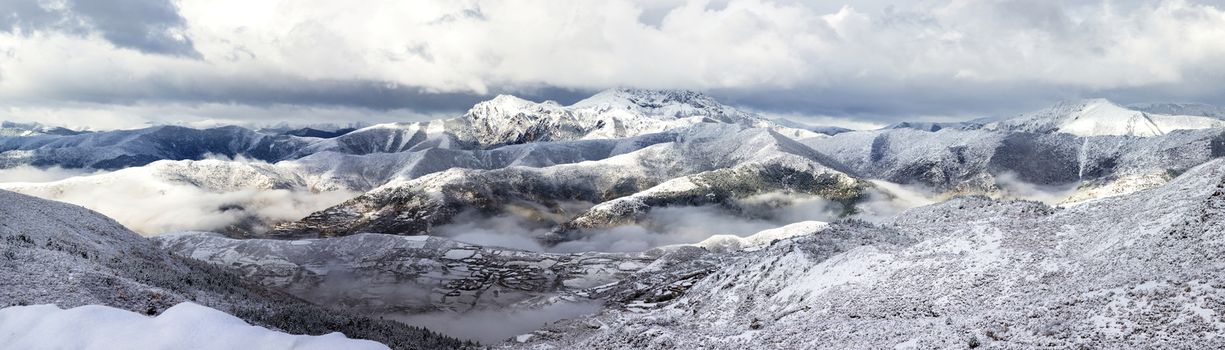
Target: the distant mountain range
pixel 622 152
pixel 685 222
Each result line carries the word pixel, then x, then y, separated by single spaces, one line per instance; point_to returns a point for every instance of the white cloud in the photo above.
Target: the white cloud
pixel 32 174
pixel 1011 186
pixel 149 204
pixel 268 50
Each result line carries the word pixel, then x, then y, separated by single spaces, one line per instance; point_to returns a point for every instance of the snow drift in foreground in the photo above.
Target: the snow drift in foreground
pixel 183 326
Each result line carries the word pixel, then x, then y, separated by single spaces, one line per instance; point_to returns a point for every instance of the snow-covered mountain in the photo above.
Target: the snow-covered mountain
pixel 56 253
pixel 980 161
pixel 727 161
pixel 8 128
pixel 1138 270
pixel 1123 271
pixel 503 120
pixel 1100 117
pixel 509 120
pixel 127 148
pixel 602 159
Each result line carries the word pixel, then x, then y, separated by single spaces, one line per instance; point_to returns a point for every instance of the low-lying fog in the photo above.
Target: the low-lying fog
pixel 150 206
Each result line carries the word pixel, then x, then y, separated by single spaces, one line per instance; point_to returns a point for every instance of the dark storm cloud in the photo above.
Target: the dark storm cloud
pixel 152 26
pixel 288 90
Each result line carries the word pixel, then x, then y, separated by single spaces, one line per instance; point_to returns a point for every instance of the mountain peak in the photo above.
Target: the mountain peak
pixel 1073 106
pixel 507 100
pixel 1101 117
pixel 1099 108
pixel 647 98
pixel 509 105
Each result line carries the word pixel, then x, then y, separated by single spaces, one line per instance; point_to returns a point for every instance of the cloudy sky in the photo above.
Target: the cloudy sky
pixel 124 63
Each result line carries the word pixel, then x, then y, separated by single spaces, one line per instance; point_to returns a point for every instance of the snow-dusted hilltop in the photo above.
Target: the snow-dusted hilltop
pixel 1099 117
pixel 611 114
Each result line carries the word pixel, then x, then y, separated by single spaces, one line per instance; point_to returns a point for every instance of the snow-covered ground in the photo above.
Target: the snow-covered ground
pixel 183 326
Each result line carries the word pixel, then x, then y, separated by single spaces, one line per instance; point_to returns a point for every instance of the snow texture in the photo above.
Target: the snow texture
pixel 1137 270
pixel 183 326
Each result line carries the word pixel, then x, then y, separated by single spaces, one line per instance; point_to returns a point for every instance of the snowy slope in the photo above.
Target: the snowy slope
pixel 183 326
pixel 56 253
pixel 1130 271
